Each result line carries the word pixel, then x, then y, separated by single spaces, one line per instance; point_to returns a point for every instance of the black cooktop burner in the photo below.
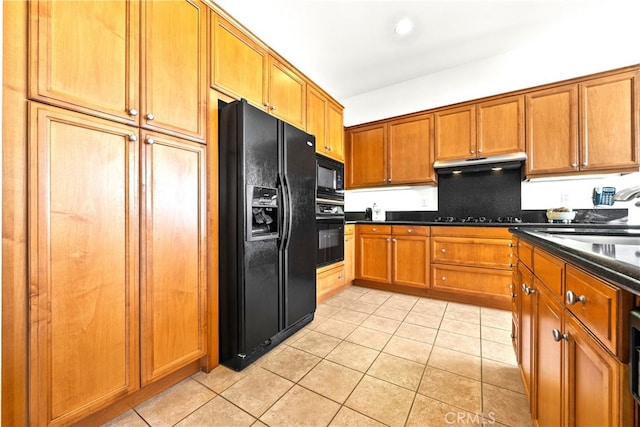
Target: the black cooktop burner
pixel 480 219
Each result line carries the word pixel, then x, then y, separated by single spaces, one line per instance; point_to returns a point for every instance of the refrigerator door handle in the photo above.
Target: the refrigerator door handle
pixel 288 214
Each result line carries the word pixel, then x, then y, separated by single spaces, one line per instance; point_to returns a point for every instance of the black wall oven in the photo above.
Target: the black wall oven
pixel 330 229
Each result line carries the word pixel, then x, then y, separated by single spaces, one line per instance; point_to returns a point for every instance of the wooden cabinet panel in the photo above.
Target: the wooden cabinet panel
pixel 366 157
pixel 609 113
pixel 410 230
pixel 329 281
pixel 173 288
pixel 335 131
pixel 173 68
pixel 491 253
pixel 349 253
pixel 552 130
pixel 410 150
pixel 525 253
pixel 550 270
pixel 455 133
pixel 470 280
pixel 374 257
pixel 548 359
pixel 230 48
pixel 500 126
pixel 411 261
pixel 527 331
pixel 83 247
pixel 86 67
pixel 287 94
pixel 593 382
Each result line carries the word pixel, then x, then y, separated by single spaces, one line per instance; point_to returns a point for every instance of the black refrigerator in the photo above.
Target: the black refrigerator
pixel 267 232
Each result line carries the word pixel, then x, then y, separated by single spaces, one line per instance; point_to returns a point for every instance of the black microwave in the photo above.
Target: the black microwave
pixel 330 178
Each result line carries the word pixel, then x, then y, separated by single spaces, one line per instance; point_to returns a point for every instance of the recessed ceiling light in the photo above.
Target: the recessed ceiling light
pixel 403 27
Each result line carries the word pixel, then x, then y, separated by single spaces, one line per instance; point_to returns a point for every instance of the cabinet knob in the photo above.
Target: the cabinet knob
pixel 557 335
pixel 149 141
pixel 479 150
pixel 388 240
pixel 150 116
pixel 443 278
pixel 473 151
pixel 409 230
pixel 373 229
pixel 133 112
pixel 133 138
pixel 513 295
pixel 273 107
pixel 394 240
pixel 443 250
pixel 572 298
pixel 389 180
pixel 574 165
pixel 585 163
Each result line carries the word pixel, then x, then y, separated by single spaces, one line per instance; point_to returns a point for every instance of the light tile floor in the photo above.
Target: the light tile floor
pixel 369 358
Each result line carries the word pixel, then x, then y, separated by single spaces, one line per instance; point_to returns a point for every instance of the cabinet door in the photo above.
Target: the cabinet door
pixel 230 48
pixel 173 67
pixel 82 66
pixel 335 131
pixel 317 119
pixel 410 151
pixel 411 261
pixel 329 282
pixel 455 136
pixel 287 92
pixel 593 378
pixel 548 359
pixel 552 130
pixel 527 332
pixel 349 258
pixel 500 126
pixel 609 117
pixel 83 248
pixel 173 255
pixel 366 157
pixel 374 258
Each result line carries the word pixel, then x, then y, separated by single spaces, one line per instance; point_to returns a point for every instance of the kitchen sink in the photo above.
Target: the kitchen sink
pixel 602 238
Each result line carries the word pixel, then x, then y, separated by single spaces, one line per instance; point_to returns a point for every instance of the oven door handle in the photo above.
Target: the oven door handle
pixel 320 218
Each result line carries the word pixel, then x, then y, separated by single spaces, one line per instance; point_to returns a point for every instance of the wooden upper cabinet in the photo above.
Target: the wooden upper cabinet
pixel 83 252
pixel 287 94
pixel 231 47
pixel 324 120
pixel 552 130
pixel 609 122
pixel 455 133
pixel 500 126
pixel 79 65
pixel 366 156
pixel 173 67
pixel 173 236
pixel 410 150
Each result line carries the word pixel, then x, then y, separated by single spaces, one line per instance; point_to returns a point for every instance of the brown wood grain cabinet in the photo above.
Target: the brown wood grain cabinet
pixel 584 127
pixel 576 344
pixel 230 47
pixel 472 261
pixel 117 70
pixel 287 93
pixel 173 275
pixel 393 255
pixel 482 129
pixel 329 281
pixel 349 253
pixel 84 254
pixel 324 120
pixel 394 152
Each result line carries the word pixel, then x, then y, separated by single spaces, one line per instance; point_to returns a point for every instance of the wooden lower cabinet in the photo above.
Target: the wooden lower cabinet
pixel 329 281
pixel 117 261
pixel 393 255
pixel 349 253
pixel 574 377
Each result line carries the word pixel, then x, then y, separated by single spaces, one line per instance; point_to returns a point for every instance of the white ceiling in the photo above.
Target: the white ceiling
pixel 349 47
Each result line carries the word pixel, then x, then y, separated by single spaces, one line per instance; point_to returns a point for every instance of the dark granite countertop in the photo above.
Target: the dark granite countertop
pixel 609 252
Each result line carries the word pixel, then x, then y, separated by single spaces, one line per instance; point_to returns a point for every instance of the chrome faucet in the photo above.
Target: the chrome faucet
pixel 627 194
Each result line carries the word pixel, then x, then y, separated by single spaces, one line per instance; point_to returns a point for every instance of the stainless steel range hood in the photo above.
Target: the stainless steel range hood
pixel 481 164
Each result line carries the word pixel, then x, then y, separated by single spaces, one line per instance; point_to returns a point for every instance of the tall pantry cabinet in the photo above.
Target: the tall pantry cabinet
pixel 117 200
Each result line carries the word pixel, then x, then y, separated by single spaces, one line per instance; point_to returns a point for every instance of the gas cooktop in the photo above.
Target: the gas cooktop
pixel 480 219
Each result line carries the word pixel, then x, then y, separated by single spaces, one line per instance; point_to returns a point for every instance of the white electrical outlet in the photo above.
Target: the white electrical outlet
pixel 424 203
pixel 564 198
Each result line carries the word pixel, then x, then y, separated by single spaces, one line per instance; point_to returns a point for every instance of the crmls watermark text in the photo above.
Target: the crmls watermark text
pixel 468 418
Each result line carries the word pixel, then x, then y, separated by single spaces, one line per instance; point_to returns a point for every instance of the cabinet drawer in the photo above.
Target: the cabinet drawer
pixel 408 230
pixel 374 229
pixel 328 281
pixel 492 253
pixel 471 280
pixel 549 270
pixel 525 253
pixel 596 304
pixel 349 228
pixel 471 231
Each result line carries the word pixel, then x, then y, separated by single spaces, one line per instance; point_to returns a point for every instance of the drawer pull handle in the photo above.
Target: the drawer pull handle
pixel 557 335
pixel 527 290
pixel 572 298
